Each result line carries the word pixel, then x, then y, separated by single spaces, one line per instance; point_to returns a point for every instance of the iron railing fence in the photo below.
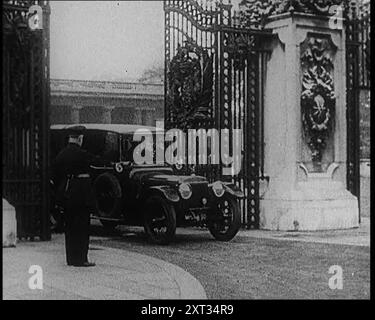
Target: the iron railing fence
pixel 25 118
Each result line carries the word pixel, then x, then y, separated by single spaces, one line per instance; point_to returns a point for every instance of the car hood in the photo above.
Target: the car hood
pixel 176 179
pixel 162 176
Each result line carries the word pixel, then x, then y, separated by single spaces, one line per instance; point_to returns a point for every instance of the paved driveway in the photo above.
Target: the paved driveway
pixel 256 267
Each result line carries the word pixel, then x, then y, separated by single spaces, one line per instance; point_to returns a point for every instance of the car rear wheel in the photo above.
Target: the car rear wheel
pixel 159 220
pixel 107 192
pixel 226 220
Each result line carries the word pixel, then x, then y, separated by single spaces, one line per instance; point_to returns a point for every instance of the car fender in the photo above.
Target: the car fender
pixel 167 192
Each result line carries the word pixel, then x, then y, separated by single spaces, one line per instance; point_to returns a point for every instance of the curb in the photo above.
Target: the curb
pixel 190 287
pixel 61 283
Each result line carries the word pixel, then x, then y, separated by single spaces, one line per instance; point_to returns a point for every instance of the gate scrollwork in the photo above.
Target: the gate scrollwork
pixel 190 79
pixel 239 46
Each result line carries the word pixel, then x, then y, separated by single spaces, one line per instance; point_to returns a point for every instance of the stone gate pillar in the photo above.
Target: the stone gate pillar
pixel 305 122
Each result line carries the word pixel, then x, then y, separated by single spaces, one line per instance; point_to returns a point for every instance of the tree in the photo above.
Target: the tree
pixel 153 74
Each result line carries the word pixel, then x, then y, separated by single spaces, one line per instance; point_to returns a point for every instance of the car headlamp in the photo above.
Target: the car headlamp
pixel 185 190
pixel 218 189
pixel 179 166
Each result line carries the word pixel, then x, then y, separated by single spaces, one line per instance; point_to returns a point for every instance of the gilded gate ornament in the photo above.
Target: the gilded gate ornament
pixel 318 96
pixel 190 80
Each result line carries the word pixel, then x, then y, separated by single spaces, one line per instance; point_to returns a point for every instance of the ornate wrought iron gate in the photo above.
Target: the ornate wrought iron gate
pixel 358 64
pixel 214 79
pixel 25 117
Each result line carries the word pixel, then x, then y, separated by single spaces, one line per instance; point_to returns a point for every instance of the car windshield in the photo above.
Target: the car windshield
pixel 128 146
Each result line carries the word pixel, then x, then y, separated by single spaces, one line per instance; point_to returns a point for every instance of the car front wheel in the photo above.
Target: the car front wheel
pixel 159 220
pixel 225 220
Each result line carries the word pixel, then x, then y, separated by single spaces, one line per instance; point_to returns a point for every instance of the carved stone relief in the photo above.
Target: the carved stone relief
pixel 318 100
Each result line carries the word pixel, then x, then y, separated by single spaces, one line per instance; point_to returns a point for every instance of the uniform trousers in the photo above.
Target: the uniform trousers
pixel 77 225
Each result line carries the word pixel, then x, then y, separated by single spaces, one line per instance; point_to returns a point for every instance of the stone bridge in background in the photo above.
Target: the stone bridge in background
pixel 75 101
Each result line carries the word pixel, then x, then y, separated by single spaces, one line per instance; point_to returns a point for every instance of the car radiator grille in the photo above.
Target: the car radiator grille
pixel 200 191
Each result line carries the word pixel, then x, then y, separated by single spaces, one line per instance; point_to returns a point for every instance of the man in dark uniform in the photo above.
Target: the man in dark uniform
pixel 72 172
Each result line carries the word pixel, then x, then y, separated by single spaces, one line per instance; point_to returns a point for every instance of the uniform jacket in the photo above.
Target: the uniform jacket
pixel 73 161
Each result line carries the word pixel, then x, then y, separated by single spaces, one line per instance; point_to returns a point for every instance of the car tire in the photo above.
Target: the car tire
pixel 159 214
pixel 225 231
pixel 108 196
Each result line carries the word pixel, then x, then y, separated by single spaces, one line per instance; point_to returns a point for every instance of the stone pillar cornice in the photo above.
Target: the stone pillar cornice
pixel 317 24
pixel 254 13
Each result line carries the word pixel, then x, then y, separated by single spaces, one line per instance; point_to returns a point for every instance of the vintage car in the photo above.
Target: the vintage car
pixel 155 196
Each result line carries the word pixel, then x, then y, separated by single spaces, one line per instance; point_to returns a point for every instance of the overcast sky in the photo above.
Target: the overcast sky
pixel 105 40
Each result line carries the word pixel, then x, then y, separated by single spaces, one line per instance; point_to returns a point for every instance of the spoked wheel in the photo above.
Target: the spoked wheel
pixel 159 220
pixel 105 202
pixel 107 192
pixel 226 220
